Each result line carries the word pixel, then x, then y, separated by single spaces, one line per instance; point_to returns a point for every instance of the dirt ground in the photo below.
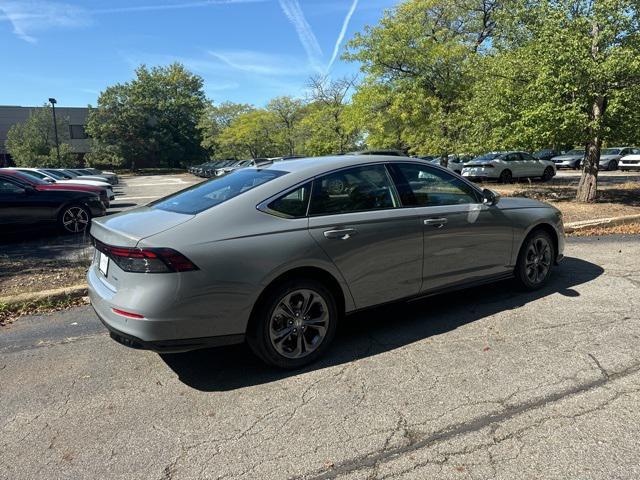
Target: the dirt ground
pixel 23 275
pixel 614 199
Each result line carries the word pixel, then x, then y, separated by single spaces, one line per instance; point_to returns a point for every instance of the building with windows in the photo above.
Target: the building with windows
pixel 76 117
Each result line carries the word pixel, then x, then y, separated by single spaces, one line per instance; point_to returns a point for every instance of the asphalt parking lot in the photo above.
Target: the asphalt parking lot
pixel 486 383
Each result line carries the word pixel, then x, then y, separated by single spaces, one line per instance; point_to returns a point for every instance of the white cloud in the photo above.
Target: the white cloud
pixel 343 31
pixel 293 11
pixel 170 6
pixel 258 62
pixel 31 16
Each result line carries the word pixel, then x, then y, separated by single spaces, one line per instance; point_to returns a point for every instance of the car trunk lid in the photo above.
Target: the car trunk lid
pixel 128 228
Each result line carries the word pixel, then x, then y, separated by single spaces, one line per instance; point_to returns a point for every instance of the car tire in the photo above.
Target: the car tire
pixel 613 165
pixel 576 166
pixel 74 218
pixel 281 337
pixel 506 176
pixel 535 261
pixel 548 174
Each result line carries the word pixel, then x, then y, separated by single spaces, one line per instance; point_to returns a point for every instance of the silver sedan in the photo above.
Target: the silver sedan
pixel 277 254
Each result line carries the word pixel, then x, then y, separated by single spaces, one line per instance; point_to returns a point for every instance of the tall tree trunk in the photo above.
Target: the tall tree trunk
pixel 588 186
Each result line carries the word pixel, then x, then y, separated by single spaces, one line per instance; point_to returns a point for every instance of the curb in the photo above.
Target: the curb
pixel 75 291
pixel 601 222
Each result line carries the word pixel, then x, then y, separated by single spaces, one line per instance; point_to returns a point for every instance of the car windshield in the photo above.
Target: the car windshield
pixel 33 173
pixel 575 152
pixel 487 156
pixel 209 194
pixel 25 176
pixel 56 175
pixel 610 151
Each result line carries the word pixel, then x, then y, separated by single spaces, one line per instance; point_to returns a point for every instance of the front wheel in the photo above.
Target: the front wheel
pixel 505 176
pixel 535 261
pixel 613 165
pixel 295 324
pixel 548 174
pixel 74 219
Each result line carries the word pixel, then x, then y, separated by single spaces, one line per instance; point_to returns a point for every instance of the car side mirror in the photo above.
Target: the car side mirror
pixel 489 197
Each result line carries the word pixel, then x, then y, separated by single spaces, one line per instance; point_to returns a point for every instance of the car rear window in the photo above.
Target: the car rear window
pixel 209 194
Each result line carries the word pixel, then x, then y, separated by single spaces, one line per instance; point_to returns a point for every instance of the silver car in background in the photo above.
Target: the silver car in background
pixel 277 254
pixel 505 166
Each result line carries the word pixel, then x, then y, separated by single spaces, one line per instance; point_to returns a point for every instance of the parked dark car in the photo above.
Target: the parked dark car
pixel 546 154
pixel 23 204
pixel 33 180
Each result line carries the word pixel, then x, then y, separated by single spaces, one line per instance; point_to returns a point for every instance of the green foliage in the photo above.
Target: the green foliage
pixel 32 143
pixel 418 64
pixel 149 121
pixel 215 119
pixel 251 134
pixel 287 113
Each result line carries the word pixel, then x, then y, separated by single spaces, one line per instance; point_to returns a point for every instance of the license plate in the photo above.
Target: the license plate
pixel 103 263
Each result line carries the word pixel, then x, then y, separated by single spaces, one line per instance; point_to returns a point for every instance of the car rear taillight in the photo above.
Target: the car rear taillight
pixel 146 260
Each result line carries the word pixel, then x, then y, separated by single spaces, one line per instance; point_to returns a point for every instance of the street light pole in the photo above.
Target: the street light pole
pixel 55 127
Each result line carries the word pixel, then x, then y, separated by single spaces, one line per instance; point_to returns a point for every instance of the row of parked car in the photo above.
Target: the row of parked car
pixel 623 158
pixel 68 198
pixel 500 166
pixel 217 168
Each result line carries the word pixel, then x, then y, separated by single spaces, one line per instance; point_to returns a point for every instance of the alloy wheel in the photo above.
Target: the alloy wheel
pixel 299 323
pixel 538 260
pixel 75 219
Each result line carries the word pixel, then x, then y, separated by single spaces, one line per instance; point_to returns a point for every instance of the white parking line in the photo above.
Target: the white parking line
pixel 175 184
pixel 136 198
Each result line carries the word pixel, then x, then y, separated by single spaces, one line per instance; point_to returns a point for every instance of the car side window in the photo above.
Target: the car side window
pixel 422 186
pixel 352 190
pixel 293 204
pixel 8 187
pixel 526 156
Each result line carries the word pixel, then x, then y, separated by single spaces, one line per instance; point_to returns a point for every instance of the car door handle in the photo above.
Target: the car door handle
pixel 436 222
pixel 342 234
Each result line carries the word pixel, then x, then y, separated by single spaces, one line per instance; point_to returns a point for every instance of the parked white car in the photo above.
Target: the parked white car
pixel 610 157
pixel 505 166
pixel 631 161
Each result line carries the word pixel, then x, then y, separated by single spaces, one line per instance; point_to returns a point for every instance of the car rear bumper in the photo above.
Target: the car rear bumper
pixel 162 331
pixel 169 346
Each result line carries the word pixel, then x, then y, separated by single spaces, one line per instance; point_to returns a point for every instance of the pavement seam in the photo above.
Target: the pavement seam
pixel 371 460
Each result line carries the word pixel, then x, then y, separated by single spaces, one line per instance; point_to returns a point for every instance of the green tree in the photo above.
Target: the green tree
pixel 215 119
pixel 287 112
pixel 418 65
pixel 33 143
pixel 564 72
pixel 326 123
pixel 251 134
pixel 150 121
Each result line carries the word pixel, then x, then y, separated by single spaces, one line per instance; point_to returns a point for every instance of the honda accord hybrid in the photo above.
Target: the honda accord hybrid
pixel 276 254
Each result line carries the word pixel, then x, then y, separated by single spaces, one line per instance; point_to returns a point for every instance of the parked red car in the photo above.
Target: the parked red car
pixel 42 185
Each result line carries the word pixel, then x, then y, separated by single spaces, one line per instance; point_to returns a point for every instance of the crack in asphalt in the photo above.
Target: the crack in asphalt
pixel 384 455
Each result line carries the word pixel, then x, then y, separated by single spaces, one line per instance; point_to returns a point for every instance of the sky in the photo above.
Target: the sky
pixel 247 51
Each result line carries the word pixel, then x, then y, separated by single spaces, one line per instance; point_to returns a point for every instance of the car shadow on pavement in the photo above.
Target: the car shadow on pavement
pixel 377 330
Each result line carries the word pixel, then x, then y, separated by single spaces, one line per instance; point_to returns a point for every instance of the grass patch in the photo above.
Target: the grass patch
pixel 9 313
pixel 626 229
pixel 24 275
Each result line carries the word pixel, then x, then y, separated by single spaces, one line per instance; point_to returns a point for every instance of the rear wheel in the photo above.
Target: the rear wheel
pixel 613 165
pixel 535 260
pixel 295 324
pixel 548 174
pixel 74 218
pixel 505 176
